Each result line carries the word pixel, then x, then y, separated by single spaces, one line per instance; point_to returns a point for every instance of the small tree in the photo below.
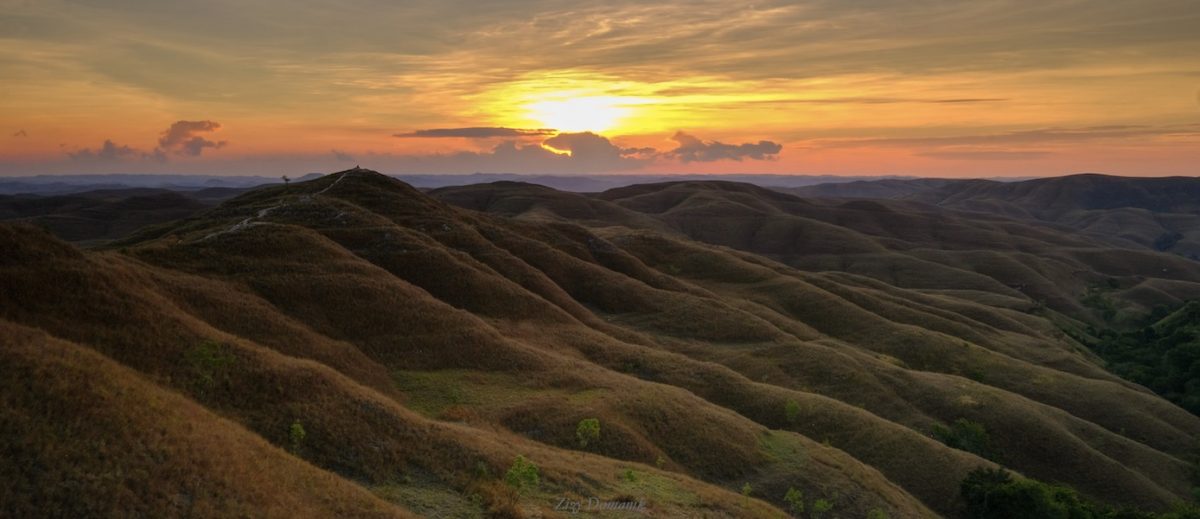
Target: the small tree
pixel 747 489
pixel 522 475
pixel 286 180
pixel 795 501
pixel 791 411
pixel 588 431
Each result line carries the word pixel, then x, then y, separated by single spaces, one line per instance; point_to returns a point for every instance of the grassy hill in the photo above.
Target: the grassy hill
pixel 1156 213
pixel 382 351
pixel 101 215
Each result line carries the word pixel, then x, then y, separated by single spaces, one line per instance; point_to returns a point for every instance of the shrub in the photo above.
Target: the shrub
pixel 876 513
pixel 966 435
pixel 522 475
pixel 588 431
pixel 747 489
pixel 208 361
pixel 629 475
pixel 995 494
pixel 795 501
pixel 791 411
pixel 296 436
pixel 821 506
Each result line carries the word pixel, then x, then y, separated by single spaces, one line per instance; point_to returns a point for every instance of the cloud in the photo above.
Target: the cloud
pixel 342 156
pixel 20 133
pixel 476 133
pixel 564 153
pixel 692 149
pixel 590 146
pixel 183 138
pixel 107 151
pixel 877 100
pixel 986 155
pixel 1027 137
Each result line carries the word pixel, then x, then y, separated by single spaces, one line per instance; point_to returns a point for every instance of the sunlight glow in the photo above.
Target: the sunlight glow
pixel 579 114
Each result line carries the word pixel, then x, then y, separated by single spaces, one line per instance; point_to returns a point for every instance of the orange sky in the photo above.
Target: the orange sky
pixel 984 88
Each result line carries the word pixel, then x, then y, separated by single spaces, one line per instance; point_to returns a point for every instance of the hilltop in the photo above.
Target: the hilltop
pixel 733 343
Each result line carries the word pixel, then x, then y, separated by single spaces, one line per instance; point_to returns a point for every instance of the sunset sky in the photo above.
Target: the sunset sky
pixel 927 88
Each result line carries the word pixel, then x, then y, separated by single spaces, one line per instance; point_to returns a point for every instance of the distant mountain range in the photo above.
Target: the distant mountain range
pixel 66 184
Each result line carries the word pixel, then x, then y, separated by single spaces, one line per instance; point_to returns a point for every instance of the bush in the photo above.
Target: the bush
pixel 995 494
pixel 791 411
pixel 795 501
pixel 821 506
pixel 588 431
pixel 966 435
pixel 209 361
pixel 522 475
pixel 296 436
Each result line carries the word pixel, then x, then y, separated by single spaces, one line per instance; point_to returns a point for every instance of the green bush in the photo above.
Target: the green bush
pixel 791 411
pixel 296 436
pixel 629 475
pixel 522 475
pixel 208 361
pixel 795 501
pixel 876 513
pixel 821 506
pixel 996 494
pixel 966 435
pixel 588 431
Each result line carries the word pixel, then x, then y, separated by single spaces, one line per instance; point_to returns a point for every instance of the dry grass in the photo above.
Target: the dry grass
pixel 423 347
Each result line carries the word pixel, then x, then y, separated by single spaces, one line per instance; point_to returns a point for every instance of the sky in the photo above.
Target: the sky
pixel 857 87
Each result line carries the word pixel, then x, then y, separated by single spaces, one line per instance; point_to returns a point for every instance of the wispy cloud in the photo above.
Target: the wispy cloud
pixel 20 133
pixel 692 149
pixel 986 155
pixel 1026 137
pixel 342 156
pixel 476 133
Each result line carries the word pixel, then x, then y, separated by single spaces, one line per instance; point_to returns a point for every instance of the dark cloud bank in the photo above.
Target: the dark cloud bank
pixel 579 152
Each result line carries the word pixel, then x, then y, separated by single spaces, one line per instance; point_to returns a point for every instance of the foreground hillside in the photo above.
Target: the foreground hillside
pixel 379 351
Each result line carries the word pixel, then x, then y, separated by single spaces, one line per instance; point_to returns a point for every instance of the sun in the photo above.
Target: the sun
pixel 579 114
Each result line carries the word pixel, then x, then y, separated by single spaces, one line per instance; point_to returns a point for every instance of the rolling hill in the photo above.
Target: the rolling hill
pixel 352 346
pixel 1154 213
pixel 107 214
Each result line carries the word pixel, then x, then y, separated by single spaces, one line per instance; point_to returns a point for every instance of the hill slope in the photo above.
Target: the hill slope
pixel 423 346
pixel 101 215
pixel 1155 213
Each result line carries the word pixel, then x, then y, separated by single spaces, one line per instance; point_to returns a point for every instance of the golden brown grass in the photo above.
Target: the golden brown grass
pixel 424 346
